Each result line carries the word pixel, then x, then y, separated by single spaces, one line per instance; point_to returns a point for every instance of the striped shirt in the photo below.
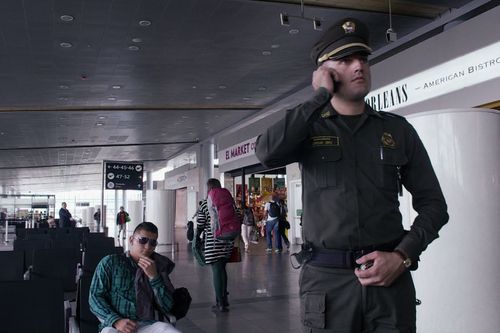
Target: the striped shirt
pixel 214 249
pixel 112 292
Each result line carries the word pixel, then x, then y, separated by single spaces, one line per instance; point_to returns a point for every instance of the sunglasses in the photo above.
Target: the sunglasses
pixel 144 240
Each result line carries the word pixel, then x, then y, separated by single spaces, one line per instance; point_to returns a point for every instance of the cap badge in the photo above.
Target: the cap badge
pixel 349 27
pixel 388 141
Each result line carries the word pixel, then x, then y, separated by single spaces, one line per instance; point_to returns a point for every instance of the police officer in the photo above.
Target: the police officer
pixel 354 161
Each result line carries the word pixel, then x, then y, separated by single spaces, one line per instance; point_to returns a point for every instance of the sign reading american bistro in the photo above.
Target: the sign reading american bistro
pixel 464 71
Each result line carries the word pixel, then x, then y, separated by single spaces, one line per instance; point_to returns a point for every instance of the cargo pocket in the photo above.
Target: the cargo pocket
pixel 322 166
pixel 313 310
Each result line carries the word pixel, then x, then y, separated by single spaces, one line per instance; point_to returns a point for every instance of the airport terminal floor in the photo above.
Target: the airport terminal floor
pixel 263 291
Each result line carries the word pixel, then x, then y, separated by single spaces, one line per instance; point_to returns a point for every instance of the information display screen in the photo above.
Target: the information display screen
pixel 123 175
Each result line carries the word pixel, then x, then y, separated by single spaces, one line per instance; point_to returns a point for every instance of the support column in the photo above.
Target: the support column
pixel 149 180
pixel 205 163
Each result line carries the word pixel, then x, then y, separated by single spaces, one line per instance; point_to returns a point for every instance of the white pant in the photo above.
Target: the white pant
pixel 158 327
pixel 245 233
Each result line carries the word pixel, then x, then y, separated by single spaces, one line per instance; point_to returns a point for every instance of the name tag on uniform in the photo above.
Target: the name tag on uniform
pixel 324 141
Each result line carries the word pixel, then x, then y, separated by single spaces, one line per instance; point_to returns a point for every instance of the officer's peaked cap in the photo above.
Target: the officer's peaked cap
pixel 346 37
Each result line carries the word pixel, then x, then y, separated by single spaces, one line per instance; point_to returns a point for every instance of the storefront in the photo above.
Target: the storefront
pixel 252 184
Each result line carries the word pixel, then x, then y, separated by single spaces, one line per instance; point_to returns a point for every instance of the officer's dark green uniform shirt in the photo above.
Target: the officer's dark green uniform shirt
pixel 350 177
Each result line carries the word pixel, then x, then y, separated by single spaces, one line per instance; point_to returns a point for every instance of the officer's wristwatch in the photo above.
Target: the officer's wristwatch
pixel 406 260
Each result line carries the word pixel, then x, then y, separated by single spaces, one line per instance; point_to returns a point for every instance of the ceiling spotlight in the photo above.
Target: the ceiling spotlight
pixel 144 23
pixel 66 18
pixel 65 45
pixel 285 20
pixel 317 24
pixel 133 48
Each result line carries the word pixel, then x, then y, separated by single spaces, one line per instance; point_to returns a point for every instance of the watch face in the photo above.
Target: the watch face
pixel 407 262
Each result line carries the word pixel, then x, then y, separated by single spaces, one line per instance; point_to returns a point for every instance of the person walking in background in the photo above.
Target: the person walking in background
pixel 217 252
pixel 272 211
pixel 247 226
pixel 356 258
pixel 65 218
pixel 283 223
pixel 97 219
pixel 121 219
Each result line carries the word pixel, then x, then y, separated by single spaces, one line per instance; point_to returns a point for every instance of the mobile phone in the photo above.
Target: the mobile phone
pixel 336 85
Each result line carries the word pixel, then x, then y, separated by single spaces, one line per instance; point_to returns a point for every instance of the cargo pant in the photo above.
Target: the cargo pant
pixel 333 301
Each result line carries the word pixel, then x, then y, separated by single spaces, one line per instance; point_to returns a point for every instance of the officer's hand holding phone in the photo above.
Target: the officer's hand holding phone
pixel 325 77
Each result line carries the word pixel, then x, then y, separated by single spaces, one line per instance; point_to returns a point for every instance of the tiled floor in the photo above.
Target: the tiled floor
pixel 263 292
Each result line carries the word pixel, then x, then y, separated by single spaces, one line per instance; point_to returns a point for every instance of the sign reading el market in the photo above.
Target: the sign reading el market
pixel 240 150
pixel 123 175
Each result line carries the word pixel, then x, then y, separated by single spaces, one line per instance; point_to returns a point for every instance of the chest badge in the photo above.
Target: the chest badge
pixel 325 141
pixel 388 141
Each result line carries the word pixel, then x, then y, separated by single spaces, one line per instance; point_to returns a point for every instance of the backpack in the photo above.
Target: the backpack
pixel 248 218
pixel 190 231
pixel 274 209
pixel 226 224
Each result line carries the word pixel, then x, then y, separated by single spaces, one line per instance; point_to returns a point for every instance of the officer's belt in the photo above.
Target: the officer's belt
pixel 333 258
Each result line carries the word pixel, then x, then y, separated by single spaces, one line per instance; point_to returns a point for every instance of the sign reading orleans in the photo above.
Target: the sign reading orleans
pixel 467 70
pixel 123 175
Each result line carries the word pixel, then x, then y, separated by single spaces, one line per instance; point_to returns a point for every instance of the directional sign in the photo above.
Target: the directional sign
pixel 123 175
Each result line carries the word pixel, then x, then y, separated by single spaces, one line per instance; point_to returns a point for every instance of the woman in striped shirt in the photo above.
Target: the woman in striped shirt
pixel 216 251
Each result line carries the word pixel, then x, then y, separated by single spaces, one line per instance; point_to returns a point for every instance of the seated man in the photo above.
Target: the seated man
pixel 127 288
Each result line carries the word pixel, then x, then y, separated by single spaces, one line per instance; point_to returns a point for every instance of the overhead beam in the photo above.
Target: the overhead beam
pixel 398 7
pixel 111 145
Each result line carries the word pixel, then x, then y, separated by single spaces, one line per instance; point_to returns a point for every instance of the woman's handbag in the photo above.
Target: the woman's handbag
pixel 198 251
pixel 235 255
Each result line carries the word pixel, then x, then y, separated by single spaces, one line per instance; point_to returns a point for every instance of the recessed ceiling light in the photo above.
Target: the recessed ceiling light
pixel 262 88
pixel 101 117
pixel 266 53
pixel 63 86
pixel 136 40
pixel 99 124
pixel 133 48
pixel 194 87
pixel 66 18
pixel 111 98
pixel 209 97
pixel 275 46
pixel 144 23
pixel 222 86
pixel 293 31
pixel 185 117
pixel 116 86
pixel 65 45
pixel 247 98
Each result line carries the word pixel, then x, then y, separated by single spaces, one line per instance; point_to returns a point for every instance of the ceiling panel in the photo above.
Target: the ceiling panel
pixel 125 89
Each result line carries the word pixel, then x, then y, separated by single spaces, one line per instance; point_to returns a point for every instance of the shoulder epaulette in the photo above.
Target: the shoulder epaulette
pixel 390 115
